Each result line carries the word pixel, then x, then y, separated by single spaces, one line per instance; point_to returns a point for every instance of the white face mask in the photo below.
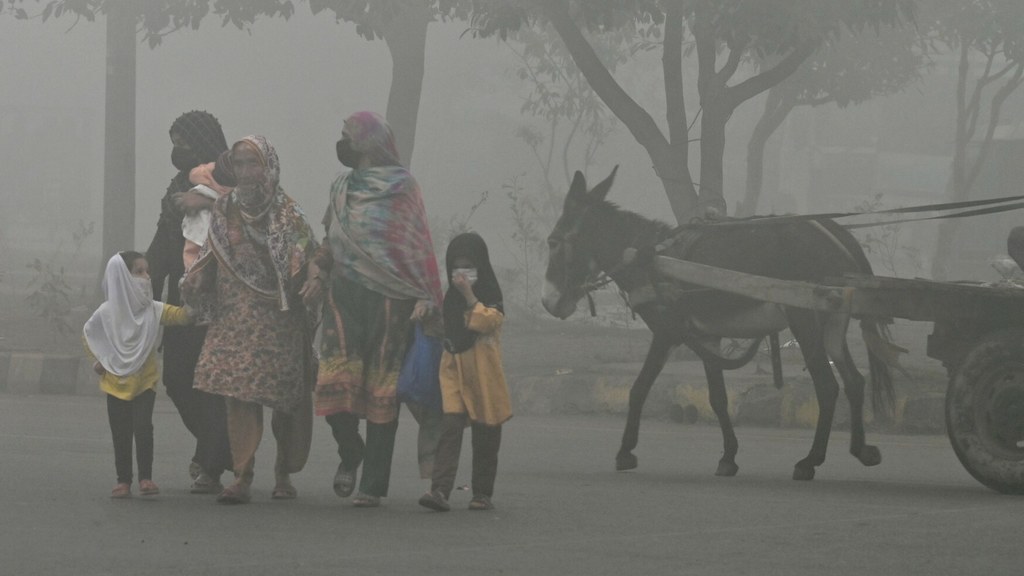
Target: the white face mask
pixel 144 285
pixel 468 273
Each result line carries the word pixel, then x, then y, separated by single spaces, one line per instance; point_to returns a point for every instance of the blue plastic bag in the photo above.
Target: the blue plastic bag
pixel 418 381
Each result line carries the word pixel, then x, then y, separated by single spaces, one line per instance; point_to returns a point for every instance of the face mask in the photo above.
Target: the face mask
pixel 183 159
pixel 144 285
pixel 346 155
pixel 468 273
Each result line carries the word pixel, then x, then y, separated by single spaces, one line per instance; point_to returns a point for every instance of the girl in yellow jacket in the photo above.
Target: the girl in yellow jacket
pixel 473 385
pixel 121 336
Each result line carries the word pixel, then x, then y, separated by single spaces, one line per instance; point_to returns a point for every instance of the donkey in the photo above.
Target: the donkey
pixel 591 237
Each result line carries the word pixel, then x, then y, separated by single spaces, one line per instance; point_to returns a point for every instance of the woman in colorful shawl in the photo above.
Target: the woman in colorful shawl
pixel 382 278
pixel 258 352
pixel 197 138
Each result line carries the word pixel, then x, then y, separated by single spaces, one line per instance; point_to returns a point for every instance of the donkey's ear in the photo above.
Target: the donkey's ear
pixel 601 190
pixel 578 188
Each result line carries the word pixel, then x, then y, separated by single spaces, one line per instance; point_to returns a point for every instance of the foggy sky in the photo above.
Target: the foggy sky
pixel 295 81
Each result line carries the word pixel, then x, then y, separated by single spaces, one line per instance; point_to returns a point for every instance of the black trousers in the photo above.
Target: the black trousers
pixel 486 441
pixel 132 419
pixel 203 414
pixel 374 454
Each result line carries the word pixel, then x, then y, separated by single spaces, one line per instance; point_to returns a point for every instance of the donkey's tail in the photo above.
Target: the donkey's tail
pixel 883 355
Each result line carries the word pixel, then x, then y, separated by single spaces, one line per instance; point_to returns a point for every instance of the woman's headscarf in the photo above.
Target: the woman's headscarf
pixel 371 135
pixel 376 223
pixel 123 331
pixel 204 136
pixel 263 214
pixel 457 337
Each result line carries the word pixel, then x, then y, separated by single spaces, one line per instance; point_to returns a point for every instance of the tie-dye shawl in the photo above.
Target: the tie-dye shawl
pixel 280 225
pixel 377 230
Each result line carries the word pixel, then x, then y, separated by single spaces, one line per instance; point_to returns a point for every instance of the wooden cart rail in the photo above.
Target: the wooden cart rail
pixel 876 296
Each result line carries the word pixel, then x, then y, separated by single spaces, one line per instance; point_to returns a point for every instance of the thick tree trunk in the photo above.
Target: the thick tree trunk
pixel 775 113
pixel 670 159
pixel 406 37
pixel 678 184
pixel 711 201
pixel 119 130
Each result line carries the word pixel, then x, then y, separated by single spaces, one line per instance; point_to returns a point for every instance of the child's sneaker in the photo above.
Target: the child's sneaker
pixel 122 490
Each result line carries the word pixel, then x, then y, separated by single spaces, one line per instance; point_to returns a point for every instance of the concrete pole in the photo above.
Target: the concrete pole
pixel 119 132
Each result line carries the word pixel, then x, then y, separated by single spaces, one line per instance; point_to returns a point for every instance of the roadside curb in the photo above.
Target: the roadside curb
pixel 753 401
pixel 44 373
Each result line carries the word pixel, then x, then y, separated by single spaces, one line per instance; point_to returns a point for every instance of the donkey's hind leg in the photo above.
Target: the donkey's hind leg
pixel 657 354
pixel 853 385
pixel 808 332
pixel 720 405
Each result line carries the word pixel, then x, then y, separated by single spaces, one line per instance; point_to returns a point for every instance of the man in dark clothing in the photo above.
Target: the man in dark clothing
pixel 198 139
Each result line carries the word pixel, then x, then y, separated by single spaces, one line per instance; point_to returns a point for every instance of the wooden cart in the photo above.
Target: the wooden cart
pixel 978 334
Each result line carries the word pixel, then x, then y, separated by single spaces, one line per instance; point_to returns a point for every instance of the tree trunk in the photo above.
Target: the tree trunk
pixel 119 130
pixel 711 201
pixel 406 37
pixel 775 112
pixel 678 184
pixel 670 160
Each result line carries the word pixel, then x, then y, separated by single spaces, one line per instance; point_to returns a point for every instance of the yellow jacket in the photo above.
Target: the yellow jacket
pixel 473 381
pixel 128 387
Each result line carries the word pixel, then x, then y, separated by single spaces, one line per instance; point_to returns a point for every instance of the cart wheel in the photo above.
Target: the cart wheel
pixel 985 411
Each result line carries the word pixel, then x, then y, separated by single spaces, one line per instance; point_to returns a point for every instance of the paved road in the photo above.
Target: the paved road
pixel 561 508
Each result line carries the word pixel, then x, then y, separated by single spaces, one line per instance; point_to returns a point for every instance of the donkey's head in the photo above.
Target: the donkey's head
pixel 571 258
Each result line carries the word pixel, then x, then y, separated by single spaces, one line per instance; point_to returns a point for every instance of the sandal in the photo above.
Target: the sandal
pixel 435 501
pixel 148 488
pixel 481 503
pixel 235 494
pixel 344 481
pixel 284 491
pixel 122 490
pixel 366 501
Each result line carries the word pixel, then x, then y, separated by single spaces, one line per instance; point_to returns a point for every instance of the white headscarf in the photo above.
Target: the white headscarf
pixel 123 331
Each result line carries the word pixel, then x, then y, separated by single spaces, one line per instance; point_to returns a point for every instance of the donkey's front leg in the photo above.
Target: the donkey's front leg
pixel 720 405
pixel 809 335
pixel 657 354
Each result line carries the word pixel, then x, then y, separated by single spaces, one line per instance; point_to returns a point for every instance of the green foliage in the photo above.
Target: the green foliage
pixel 853 68
pixel 577 122
pixel 51 296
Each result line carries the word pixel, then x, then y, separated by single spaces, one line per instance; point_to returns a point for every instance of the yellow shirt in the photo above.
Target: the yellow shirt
pixel 130 386
pixel 473 381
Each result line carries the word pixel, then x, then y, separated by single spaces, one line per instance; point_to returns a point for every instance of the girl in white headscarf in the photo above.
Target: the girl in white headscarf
pixel 121 337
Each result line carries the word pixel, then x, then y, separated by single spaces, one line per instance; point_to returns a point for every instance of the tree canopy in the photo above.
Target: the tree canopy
pixel 724 35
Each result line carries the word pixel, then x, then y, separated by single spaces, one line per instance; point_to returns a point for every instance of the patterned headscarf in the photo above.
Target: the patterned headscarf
pixel 376 223
pixel 276 223
pixel 254 198
pixel 372 136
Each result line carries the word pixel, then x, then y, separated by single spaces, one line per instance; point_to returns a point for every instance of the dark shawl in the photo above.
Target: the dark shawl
pixel 203 134
pixel 459 338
